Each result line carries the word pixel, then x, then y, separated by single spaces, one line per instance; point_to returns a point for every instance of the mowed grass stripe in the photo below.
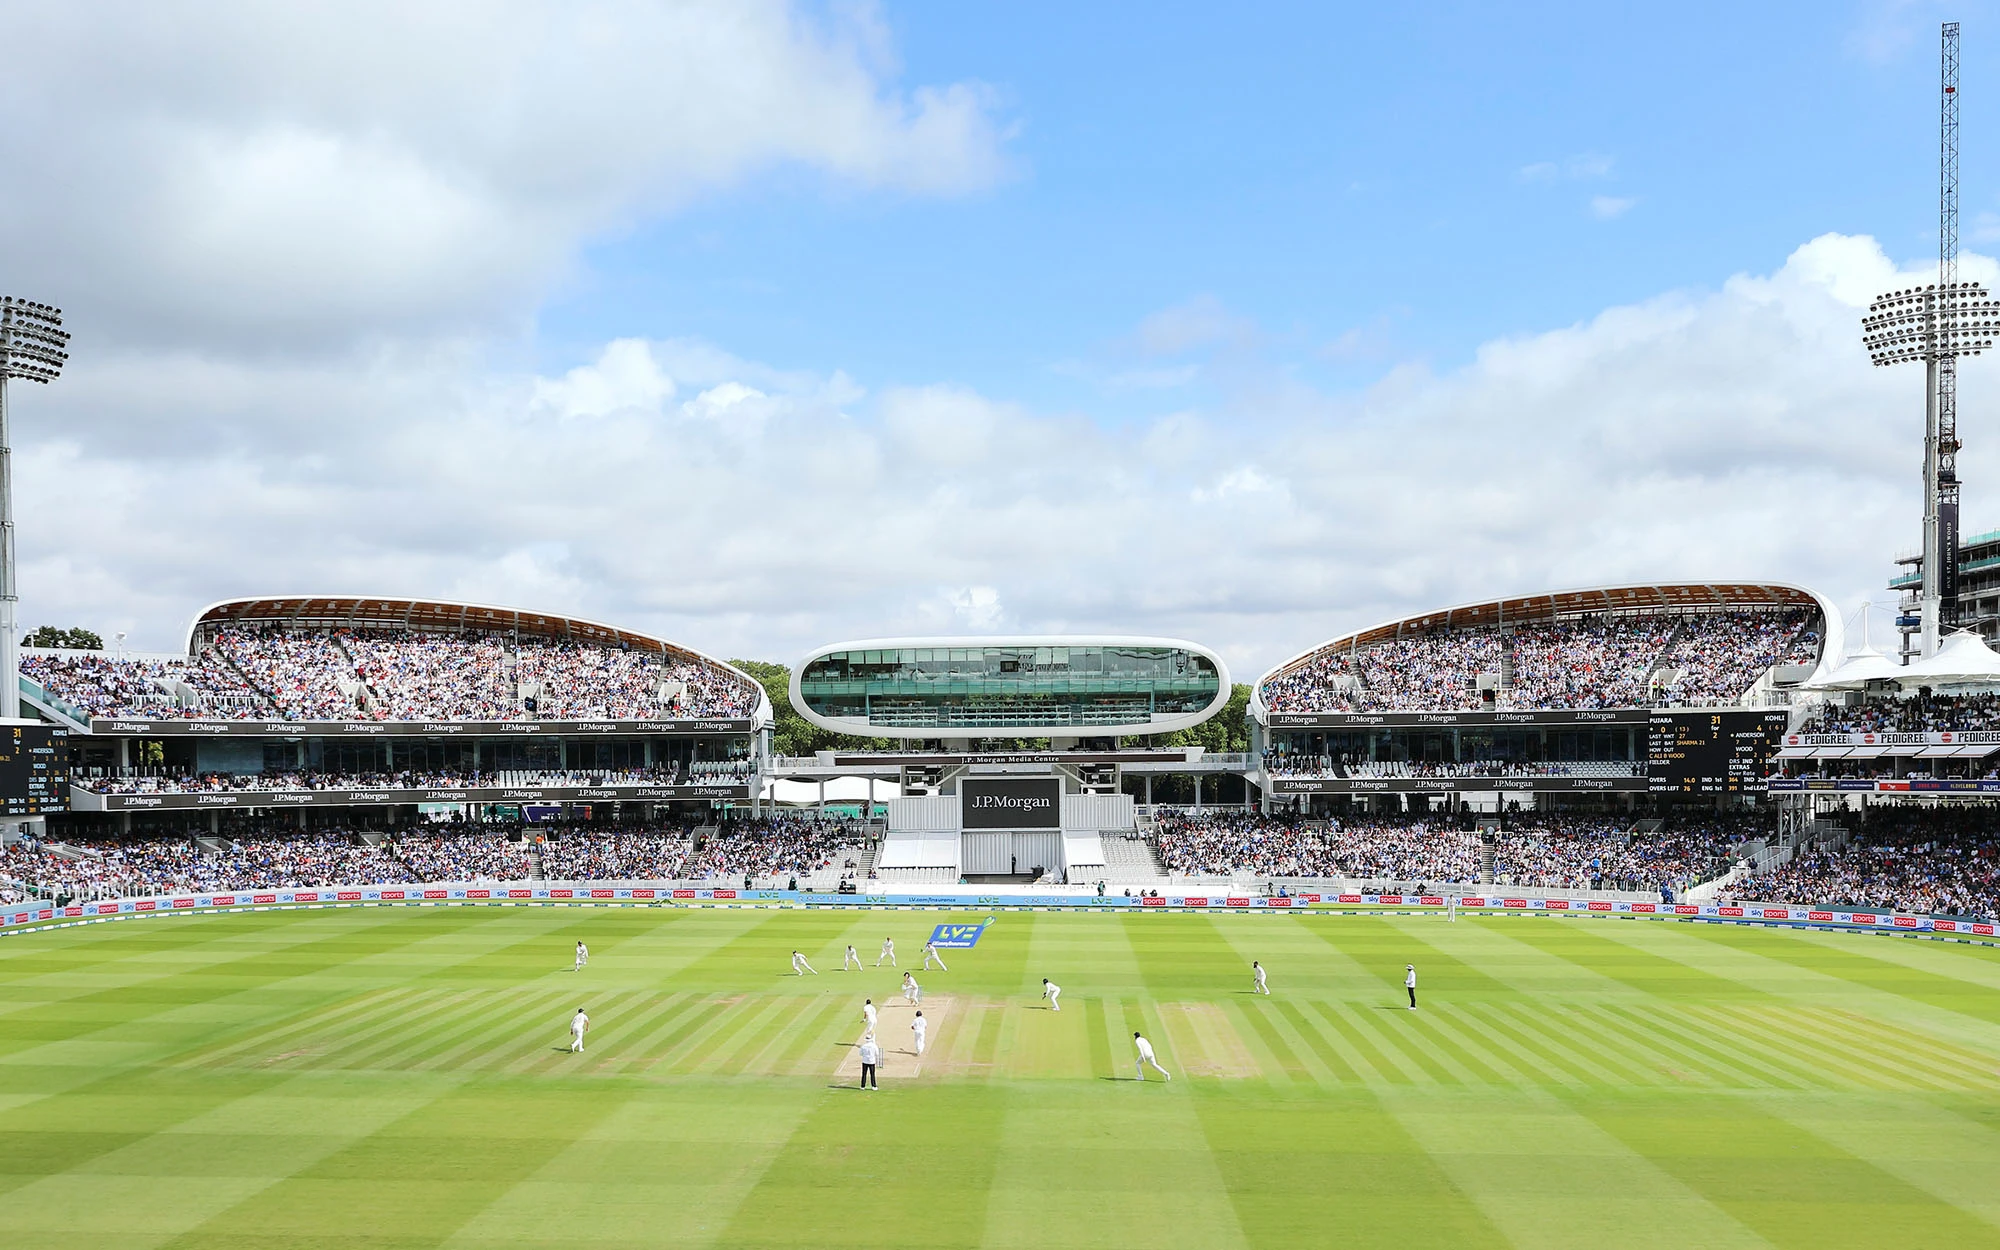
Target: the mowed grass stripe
pixel 1939 1060
pixel 1479 1048
pixel 1803 1044
pixel 1315 1065
pixel 1332 1169
pixel 1944 1154
pixel 1335 1045
pixel 1715 1051
pixel 1420 1029
pixel 1672 1057
pixel 1282 1065
pixel 730 1050
pixel 1790 1186
pixel 683 1108
pixel 1525 1034
pixel 1854 964
pixel 344 1023
pixel 1548 1176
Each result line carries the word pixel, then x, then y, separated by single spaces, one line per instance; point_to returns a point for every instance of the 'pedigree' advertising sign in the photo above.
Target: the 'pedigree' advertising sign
pixel 1011 803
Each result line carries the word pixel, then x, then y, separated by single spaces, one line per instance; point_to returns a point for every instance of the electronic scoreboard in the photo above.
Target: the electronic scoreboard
pixel 1725 752
pixel 34 770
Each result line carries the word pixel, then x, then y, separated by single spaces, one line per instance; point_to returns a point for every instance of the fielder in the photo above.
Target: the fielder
pixel 888 953
pixel 912 992
pixel 918 1028
pixel 1146 1057
pixel 1410 983
pixel 582 957
pixel 577 1024
pixel 850 958
pixel 930 953
pixel 868 1013
pixel 1052 992
pixel 800 967
pixel 1257 985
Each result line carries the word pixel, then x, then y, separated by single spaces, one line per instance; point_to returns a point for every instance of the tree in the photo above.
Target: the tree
pixel 1226 732
pixel 791 733
pixel 75 638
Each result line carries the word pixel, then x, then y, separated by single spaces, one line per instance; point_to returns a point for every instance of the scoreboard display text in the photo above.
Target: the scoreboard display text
pixel 34 770
pixel 1711 752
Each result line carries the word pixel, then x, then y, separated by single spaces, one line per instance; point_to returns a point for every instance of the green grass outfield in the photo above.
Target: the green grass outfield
pixel 389 1077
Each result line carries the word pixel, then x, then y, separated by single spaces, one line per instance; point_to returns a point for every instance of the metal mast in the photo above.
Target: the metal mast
pixel 1937 324
pixel 1941 493
pixel 31 349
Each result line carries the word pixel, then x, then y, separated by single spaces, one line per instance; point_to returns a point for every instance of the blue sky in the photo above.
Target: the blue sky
pixel 1359 185
pixel 762 324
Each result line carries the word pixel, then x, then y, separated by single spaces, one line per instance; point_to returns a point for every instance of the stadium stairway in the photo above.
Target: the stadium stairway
pixel 1130 862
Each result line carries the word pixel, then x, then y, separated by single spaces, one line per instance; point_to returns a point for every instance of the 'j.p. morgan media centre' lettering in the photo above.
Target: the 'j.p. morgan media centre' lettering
pixel 987 803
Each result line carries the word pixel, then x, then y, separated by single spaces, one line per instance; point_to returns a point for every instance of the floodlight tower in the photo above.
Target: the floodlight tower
pixel 31 349
pixel 1937 324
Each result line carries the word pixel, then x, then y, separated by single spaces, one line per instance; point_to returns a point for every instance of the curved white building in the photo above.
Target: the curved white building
pixel 1008 687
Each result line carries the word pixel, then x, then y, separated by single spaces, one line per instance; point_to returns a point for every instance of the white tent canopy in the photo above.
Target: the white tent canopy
pixel 838 790
pixel 1963 659
pixel 1858 669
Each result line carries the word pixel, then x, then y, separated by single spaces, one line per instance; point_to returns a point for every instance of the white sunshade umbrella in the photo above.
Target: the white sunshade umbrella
pixel 1858 669
pixel 838 790
pixel 1963 659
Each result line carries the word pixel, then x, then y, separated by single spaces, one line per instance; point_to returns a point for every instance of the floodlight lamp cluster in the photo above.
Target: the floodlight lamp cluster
pixel 1930 323
pixel 31 340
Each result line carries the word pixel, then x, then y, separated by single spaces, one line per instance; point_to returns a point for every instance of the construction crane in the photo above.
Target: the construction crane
pixel 1937 324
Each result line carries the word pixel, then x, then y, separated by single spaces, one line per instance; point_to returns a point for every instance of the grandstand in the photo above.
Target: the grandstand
pixel 1538 694
pixel 408 708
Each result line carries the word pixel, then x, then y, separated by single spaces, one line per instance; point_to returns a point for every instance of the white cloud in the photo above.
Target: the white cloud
pixel 1726 433
pixel 305 177
pixel 1606 207
pixel 1581 167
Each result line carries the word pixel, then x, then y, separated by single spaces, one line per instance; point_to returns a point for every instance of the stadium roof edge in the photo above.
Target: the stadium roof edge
pixel 398 610
pixel 1555 604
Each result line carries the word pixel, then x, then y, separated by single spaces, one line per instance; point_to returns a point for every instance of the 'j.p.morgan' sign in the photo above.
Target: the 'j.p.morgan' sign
pixel 989 803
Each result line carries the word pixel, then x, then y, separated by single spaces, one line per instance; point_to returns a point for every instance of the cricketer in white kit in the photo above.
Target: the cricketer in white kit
pixel 1052 992
pixel 888 953
pixel 577 1024
pixel 1146 1057
pixel 800 966
pixel 930 953
pixel 918 1028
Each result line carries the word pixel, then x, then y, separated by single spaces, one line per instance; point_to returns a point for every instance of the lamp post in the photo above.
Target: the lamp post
pixel 31 349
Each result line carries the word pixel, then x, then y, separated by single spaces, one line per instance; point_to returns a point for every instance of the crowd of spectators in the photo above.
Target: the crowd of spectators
pixel 1549 850
pixel 1279 764
pixel 773 846
pixel 449 854
pixel 343 674
pixel 184 782
pixel 1943 861
pixel 98 685
pixel 774 849
pixel 1587 662
pixel 1221 842
pixel 591 853
pixel 92 868
pixel 1914 713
